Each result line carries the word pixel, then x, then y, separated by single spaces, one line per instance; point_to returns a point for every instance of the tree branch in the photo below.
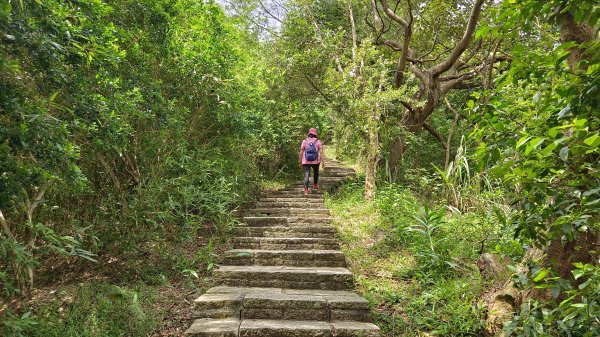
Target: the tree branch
pixel 376 17
pixel 407 106
pixel 405 49
pixel 435 134
pixel 461 63
pixel 37 200
pixel 395 46
pixel 451 132
pixel 354 40
pixel 393 15
pixel 462 45
pixel 5 227
pixel 269 13
pixel 312 84
pixel 454 80
pixel 435 39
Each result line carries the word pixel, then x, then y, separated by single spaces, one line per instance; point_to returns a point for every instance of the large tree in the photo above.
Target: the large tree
pixel 434 41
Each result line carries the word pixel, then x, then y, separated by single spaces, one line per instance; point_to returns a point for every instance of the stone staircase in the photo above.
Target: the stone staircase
pixel 285 276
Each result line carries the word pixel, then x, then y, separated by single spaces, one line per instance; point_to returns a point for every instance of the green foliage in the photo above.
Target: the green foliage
pixel 98 309
pixel 433 257
pixel 578 306
pixel 446 309
pixel 538 133
pixel 463 188
pixel 396 204
pixel 415 264
pixel 553 156
pixel 17 326
pixel 126 127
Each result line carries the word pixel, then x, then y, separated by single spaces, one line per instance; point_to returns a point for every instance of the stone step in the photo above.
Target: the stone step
pixel 289 232
pixel 328 278
pixel 288 204
pixel 300 189
pixel 336 170
pixel 263 221
pixel 292 258
pixel 284 243
pixel 336 173
pixel 276 303
pixel 279 328
pixel 293 190
pixel 302 199
pixel 309 219
pixel 312 197
pixel 295 220
pixel 288 210
pixel 330 178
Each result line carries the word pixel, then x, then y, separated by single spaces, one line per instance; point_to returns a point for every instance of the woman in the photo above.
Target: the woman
pixel 310 156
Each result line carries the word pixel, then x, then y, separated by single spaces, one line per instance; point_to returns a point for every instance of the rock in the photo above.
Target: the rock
pixel 501 308
pixel 492 267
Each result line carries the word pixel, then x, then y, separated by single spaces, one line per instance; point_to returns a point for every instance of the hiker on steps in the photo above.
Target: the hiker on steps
pixel 310 156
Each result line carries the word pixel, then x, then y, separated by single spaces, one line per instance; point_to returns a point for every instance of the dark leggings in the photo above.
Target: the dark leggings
pixel 306 168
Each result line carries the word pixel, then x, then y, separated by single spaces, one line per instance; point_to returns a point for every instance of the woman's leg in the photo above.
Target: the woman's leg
pixel 316 169
pixel 306 169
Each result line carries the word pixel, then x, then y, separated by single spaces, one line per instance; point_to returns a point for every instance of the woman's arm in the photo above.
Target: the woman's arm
pixel 301 154
pixel 322 156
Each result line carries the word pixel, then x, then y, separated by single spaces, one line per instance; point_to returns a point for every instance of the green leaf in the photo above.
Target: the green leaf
pixel 541 274
pixel 579 122
pixel 564 153
pixel 534 144
pixel 564 111
pixel 555 292
pixel 548 149
pixel 522 141
pixel 585 284
pixel 593 141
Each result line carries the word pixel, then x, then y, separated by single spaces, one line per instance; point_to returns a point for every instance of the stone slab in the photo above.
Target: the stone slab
pixel 284 328
pixel 214 328
pixel 355 329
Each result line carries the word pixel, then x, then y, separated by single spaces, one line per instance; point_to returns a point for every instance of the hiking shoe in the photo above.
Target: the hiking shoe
pixel 315 187
pixel 305 190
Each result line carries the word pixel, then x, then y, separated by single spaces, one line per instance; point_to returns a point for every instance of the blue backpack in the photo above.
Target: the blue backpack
pixel 310 152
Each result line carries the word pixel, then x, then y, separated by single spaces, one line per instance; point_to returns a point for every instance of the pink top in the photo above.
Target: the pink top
pixel 303 147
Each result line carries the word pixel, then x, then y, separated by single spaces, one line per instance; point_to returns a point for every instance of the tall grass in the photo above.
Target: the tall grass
pixel 463 186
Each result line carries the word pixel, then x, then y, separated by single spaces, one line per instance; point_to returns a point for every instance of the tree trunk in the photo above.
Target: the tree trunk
pixel 450 133
pixel 411 122
pixel 396 154
pixel 17 269
pixel 372 158
pixel 561 255
pixel 571 31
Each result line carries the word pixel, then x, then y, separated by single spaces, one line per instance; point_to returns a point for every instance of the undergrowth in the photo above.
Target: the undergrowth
pixel 413 259
pixel 99 309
